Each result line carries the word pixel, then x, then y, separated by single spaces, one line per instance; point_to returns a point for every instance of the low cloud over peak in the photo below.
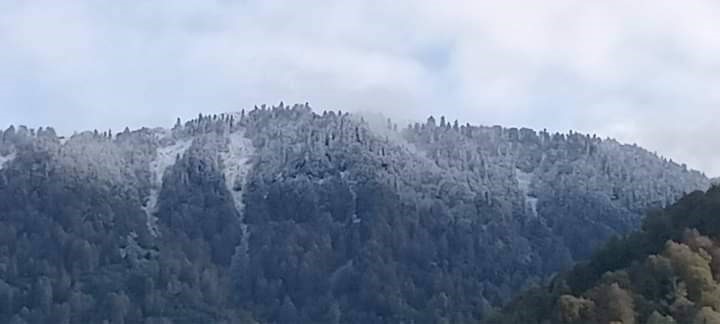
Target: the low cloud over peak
pixel 643 72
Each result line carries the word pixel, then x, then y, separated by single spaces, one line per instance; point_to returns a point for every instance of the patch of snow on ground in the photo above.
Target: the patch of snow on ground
pixel 6 159
pixel 524 179
pixel 532 203
pixel 165 158
pixel 237 166
pixel 236 161
pixel 346 266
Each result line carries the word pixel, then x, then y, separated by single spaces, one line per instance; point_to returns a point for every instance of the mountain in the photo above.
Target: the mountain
pixel 668 272
pixel 283 215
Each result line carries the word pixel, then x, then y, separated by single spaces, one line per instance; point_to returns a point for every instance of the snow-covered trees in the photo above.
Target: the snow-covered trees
pixel 300 216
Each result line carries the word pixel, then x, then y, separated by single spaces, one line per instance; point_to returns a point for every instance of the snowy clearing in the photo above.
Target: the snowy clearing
pixel 6 159
pixel 166 157
pixel 236 161
pixel 237 165
pixel 524 179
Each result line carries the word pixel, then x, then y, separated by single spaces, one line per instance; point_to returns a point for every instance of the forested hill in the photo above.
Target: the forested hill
pixel 668 272
pixel 283 215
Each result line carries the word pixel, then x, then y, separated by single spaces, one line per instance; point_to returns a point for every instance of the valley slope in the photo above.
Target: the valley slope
pixel 667 272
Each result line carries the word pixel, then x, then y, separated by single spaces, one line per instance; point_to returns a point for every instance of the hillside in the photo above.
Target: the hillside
pixel 668 272
pixel 284 215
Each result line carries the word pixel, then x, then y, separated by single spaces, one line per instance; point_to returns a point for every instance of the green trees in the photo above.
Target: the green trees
pixel 672 282
pixel 693 269
pixel 707 315
pixel 657 318
pixel 613 304
pixel 574 310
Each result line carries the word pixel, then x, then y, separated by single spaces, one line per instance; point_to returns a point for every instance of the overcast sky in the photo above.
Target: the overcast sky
pixel 645 72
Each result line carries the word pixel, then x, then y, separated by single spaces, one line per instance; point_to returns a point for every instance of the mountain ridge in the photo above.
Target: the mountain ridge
pixel 294 215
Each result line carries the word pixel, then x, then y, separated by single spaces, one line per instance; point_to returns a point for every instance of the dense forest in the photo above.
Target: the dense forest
pixel 283 215
pixel 668 272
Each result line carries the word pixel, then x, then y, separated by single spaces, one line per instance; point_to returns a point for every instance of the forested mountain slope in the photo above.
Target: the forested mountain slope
pixel 669 272
pixel 283 215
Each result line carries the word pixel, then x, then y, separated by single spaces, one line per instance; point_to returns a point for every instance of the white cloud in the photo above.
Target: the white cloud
pixel 642 71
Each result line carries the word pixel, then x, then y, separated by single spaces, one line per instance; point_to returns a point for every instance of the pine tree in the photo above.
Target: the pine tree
pixel 288 313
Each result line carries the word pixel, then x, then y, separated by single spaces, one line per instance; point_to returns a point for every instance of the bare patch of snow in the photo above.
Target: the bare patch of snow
pixel 335 275
pixel 236 161
pixel 6 159
pixel 532 203
pixel 165 158
pixel 524 179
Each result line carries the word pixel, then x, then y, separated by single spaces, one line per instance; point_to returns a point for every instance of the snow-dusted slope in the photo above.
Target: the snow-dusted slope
pixel 524 179
pixel 237 167
pixel 166 157
pixel 322 193
pixel 236 162
pixel 6 159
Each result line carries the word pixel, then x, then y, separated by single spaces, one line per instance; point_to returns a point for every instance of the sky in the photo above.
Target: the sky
pixel 641 71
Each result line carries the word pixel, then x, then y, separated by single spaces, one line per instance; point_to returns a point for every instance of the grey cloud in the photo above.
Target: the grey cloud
pixel 643 72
